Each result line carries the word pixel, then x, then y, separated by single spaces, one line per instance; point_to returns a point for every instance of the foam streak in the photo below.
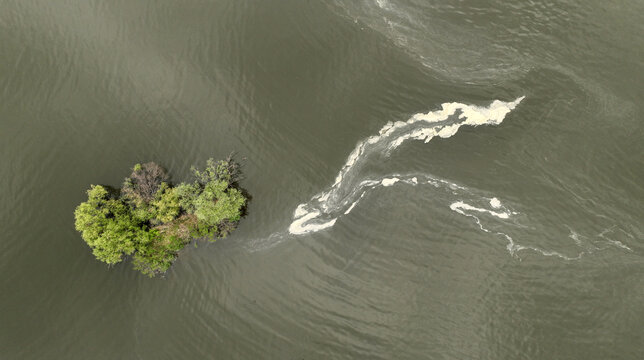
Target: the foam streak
pixel 322 211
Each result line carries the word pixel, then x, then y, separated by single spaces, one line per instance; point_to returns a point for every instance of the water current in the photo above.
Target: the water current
pixel 429 179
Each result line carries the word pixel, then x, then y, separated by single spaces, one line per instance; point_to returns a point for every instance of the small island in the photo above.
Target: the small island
pixel 150 220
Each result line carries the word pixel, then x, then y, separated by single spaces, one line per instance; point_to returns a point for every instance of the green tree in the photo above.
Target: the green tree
pixel 156 252
pixel 217 202
pixel 187 194
pixel 106 225
pixel 166 204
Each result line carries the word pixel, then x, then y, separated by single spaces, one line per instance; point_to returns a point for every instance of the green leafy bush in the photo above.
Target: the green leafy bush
pixel 152 221
pixel 107 226
pixel 166 204
pixel 158 254
pixel 187 194
pixel 217 202
pixel 225 170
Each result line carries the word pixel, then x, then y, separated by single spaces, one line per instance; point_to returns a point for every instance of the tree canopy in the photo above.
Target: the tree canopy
pixel 151 220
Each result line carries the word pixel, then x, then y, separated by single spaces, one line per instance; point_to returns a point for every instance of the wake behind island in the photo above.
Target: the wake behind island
pixel 323 210
pixel 489 213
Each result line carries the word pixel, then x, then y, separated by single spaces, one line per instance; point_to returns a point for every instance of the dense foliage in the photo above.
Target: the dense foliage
pixel 151 220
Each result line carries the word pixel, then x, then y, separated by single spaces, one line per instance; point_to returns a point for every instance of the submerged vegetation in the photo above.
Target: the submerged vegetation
pixel 151 220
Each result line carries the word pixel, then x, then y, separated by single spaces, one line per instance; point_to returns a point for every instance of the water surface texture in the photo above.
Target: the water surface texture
pixel 430 179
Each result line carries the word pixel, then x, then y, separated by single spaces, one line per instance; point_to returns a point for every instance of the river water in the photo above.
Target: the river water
pixel 430 179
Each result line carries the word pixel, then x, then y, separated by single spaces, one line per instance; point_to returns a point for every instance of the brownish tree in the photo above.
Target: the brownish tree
pixel 144 181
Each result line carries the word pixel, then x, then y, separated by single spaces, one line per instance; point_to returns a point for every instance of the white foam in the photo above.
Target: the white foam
pixel 299 211
pixel 614 242
pixel 351 207
pixel 420 32
pixel 323 209
pixel 354 203
pixel 300 226
pixel 584 243
pixel 513 248
pixel 383 4
pixel 459 206
pixel 619 244
pixel 389 181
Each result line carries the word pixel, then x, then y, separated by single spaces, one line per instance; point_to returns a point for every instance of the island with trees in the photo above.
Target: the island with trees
pixel 151 220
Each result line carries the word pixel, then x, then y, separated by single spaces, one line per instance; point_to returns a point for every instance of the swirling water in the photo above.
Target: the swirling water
pixel 517 236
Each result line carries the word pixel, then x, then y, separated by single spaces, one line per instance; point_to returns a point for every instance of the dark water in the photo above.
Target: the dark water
pixel 520 239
